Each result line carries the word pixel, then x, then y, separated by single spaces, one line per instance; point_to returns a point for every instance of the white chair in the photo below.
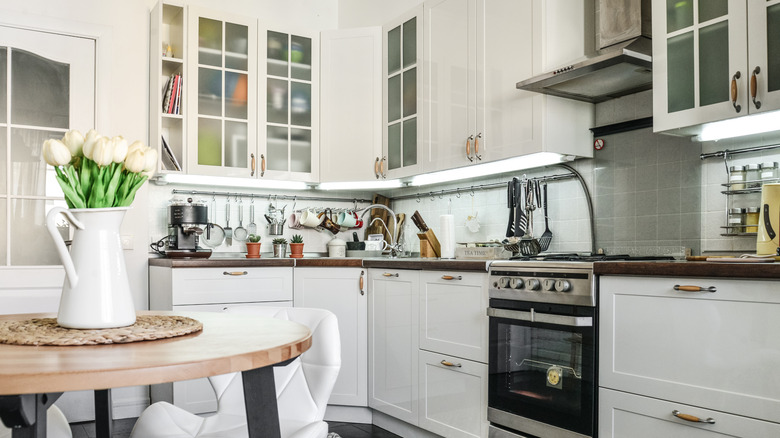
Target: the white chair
pixel 302 389
pixel 56 425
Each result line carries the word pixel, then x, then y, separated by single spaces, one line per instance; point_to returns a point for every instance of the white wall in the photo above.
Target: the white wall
pixel 359 13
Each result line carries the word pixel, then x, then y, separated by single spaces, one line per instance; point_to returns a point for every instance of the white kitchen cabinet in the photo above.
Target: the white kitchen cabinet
pixel 341 290
pixel 453 318
pixel 212 290
pixel 714 350
pixel 289 96
pixel 628 415
pixel 453 396
pixel 475 53
pixel 221 93
pixel 402 85
pixel 351 104
pixel 706 54
pixel 393 342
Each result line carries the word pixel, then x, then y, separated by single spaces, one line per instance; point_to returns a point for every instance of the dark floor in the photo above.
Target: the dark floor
pixel 123 427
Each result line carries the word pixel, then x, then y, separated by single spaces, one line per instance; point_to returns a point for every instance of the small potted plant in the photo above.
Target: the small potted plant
pixel 253 246
pixel 280 247
pixel 296 246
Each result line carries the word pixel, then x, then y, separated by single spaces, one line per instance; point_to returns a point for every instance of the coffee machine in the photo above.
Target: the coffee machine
pixel 186 222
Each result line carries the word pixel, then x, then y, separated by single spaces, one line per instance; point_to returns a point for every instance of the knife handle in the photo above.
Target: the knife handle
pixel 767 224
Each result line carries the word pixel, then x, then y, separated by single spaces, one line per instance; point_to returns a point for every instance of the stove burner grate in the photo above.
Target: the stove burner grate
pixel 577 257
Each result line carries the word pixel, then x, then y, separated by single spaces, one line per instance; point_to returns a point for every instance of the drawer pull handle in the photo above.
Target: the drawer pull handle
pixel 387 274
pixel 362 291
pixel 695 288
pixel 235 273
pixel 692 418
pixel 451 277
pixel 450 364
pixel 734 78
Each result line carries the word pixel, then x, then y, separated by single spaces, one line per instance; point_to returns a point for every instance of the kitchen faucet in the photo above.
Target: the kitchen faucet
pixel 394 247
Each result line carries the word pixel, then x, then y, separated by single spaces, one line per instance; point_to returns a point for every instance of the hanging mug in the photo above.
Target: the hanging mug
pixel 310 219
pixel 347 219
pixel 327 222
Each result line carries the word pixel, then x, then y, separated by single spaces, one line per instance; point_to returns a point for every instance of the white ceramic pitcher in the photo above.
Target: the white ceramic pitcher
pixel 96 293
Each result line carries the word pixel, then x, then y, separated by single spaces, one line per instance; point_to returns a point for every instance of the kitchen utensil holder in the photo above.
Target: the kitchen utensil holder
pixel 429 245
pixel 275 229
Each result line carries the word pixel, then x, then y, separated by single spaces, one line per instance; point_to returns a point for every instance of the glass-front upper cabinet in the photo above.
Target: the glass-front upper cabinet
pixel 289 105
pixel 714 60
pixel 402 90
pixel 223 76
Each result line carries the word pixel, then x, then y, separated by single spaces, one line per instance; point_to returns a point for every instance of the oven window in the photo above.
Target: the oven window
pixel 544 372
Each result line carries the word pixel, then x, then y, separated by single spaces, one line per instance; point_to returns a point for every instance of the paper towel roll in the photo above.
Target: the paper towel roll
pixel 447 236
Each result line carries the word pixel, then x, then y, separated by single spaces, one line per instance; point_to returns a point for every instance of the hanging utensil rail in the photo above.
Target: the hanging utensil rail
pixel 274 196
pixel 471 189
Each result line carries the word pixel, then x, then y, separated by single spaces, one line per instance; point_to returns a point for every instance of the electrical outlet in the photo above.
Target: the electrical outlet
pixel 127 241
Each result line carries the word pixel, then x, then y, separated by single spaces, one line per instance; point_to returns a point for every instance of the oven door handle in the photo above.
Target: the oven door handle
pixel 533 316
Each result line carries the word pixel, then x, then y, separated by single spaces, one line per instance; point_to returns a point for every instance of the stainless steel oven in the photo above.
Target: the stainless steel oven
pixel 542 360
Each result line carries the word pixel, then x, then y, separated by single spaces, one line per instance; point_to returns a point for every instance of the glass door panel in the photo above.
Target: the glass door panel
pixel 236 95
pixel 209 92
pixel 410 142
pixel 410 92
pixel 401 77
pixel 277 95
pixel 209 42
pixel 236 46
pixel 3 231
pixel 714 63
pixel 29 231
pixel 680 79
pixel 209 142
pixel 679 15
pixel 30 175
pixel 34 105
pixel 3 86
pixel 394 146
pixel 277 54
pixel 394 98
pixel 300 104
pixel 710 9
pixel 235 144
pixel 300 152
pixel 773 47
pixel 394 50
pixel 277 140
pixel 300 58
pixel 410 42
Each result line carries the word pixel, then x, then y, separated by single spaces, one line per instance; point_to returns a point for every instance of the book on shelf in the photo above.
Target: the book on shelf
pixel 174 90
pixel 170 161
pixel 167 94
pixel 172 95
pixel 180 82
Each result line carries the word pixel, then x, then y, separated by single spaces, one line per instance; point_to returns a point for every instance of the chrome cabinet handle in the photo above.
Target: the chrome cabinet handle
pixel 382 170
pixel 468 147
pixel 451 277
pixel 235 273
pixel 387 274
pixel 361 282
pixel 254 163
pixel 476 147
pixel 734 78
pixel 262 164
pixel 692 418
pixel 695 288
pixel 754 87
pixel 376 168
pixel 450 364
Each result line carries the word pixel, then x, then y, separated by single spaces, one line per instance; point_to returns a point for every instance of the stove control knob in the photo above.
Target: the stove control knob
pixel 548 284
pixel 503 282
pixel 532 284
pixel 562 286
pixel 516 283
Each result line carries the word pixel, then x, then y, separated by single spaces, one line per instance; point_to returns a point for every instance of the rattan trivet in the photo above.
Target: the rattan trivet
pixel 45 331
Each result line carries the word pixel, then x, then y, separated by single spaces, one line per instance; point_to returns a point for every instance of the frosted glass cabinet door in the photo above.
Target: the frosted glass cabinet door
pixel 223 94
pixel 764 62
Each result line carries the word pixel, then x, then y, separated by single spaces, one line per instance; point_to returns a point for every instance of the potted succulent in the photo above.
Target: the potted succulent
pixel 280 247
pixel 296 246
pixel 253 246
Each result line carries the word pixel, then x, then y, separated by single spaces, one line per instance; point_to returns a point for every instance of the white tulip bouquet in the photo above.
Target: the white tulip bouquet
pixel 99 172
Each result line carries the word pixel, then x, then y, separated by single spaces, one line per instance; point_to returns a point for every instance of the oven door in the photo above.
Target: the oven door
pixel 542 368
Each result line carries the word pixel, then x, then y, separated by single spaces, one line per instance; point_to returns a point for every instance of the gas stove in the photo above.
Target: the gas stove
pixel 580 257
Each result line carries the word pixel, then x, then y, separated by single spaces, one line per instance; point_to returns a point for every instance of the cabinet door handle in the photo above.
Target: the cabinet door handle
pixel 692 418
pixel 253 165
pixel 387 274
pixel 235 273
pixel 734 78
pixel 695 288
pixel 754 87
pixel 382 170
pixel 376 168
pixel 262 164
pixel 450 364
pixel 476 147
pixel 468 147
pixel 451 277
pixel 361 282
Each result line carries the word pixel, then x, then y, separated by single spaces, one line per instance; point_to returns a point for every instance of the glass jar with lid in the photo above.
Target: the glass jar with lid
pixel 751 219
pixel 736 219
pixel 737 177
pixel 769 171
pixel 753 175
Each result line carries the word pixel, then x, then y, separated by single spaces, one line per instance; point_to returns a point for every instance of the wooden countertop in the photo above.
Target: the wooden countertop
pixel 689 269
pixel 399 263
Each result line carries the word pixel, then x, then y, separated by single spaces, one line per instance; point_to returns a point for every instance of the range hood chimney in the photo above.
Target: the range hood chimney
pixel 622 65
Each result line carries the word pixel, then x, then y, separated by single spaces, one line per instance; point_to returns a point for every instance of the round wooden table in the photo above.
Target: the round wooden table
pixel 227 343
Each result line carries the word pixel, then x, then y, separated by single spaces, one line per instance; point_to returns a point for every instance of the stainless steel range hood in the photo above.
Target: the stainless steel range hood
pixel 621 66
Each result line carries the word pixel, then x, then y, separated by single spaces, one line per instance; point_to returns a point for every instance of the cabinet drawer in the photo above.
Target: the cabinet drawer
pixel 231 285
pixel 453 317
pixel 627 415
pixel 453 397
pixel 717 350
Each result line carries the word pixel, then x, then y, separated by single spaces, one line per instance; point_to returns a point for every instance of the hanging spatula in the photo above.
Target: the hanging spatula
pixel 510 203
pixel 546 238
pixel 521 220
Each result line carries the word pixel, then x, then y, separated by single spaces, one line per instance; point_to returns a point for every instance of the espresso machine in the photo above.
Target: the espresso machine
pixel 186 223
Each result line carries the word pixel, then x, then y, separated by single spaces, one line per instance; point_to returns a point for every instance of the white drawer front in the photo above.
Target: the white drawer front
pixel 623 415
pixel 717 350
pixel 453 398
pixel 453 318
pixel 231 285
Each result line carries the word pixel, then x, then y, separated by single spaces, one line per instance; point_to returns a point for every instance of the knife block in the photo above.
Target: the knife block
pixel 429 245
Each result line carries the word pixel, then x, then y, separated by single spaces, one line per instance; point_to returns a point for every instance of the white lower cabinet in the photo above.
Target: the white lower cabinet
pixel 342 291
pixel 393 342
pixel 624 415
pixel 453 395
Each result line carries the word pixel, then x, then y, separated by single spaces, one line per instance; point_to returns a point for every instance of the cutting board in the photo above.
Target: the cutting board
pixel 381 213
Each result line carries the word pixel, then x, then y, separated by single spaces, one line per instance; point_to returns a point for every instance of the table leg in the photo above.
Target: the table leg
pixel 103 415
pixel 262 412
pixel 26 413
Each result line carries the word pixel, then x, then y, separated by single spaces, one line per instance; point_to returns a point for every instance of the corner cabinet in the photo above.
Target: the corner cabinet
pixel 222 127
pixel 475 53
pixel 289 97
pixel 713 60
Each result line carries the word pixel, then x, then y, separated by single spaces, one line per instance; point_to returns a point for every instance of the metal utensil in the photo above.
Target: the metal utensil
pixel 240 233
pixel 228 230
pixel 510 204
pixel 215 235
pixel 528 245
pixel 544 241
pixel 252 227
pixel 521 220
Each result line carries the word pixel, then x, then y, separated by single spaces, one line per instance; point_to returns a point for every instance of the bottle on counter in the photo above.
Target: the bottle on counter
pixel 737 177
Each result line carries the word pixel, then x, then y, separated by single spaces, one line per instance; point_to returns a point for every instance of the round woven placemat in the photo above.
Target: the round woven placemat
pixel 45 331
